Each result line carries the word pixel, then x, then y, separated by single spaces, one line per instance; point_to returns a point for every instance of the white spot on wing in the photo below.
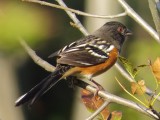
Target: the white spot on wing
pixel 64 48
pixel 98 55
pixel 71 44
pixel 101 47
pixel 90 51
pixel 82 45
pixel 111 47
pixel 71 50
pixel 83 63
pixel 101 42
pixel 87 48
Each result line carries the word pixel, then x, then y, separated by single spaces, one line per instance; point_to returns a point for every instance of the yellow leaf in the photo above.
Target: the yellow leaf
pixel 156 69
pixel 116 115
pixel 138 88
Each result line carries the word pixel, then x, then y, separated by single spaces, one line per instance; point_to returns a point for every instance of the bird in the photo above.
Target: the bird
pixel 84 58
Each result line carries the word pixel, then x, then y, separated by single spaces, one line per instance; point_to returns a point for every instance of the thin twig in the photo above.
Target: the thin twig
pixel 130 93
pixel 77 11
pixel 73 16
pixel 102 107
pixel 139 20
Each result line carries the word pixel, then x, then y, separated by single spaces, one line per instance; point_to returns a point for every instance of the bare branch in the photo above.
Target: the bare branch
pixel 139 20
pixel 36 58
pixel 77 11
pixel 74 18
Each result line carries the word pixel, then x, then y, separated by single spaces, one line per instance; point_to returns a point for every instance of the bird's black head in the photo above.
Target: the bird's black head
pixel 114 32
pixel 116 28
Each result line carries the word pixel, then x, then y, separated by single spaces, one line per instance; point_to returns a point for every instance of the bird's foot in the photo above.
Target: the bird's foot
pixel 98 87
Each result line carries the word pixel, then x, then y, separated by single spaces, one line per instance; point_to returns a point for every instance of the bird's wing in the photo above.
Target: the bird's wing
pixel 53 54
pixel 85 52
pixel 73 45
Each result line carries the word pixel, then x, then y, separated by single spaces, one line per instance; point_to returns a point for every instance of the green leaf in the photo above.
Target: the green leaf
pixel 128 66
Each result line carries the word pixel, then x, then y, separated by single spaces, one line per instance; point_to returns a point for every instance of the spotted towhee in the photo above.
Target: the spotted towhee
pixel 84 58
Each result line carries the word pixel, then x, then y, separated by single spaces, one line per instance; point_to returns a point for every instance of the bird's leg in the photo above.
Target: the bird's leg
pixel 98 87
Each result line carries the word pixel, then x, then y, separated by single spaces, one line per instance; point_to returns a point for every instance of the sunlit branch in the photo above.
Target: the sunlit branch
pixel 77 11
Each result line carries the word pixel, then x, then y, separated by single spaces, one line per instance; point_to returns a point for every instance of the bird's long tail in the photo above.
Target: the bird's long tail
pixel 41 88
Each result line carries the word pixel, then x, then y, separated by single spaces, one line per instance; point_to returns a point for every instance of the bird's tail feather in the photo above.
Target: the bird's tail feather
pixel 40 88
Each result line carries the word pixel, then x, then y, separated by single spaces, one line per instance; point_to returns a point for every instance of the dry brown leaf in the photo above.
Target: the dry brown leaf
pixel 156 69
pixel 93 102
pixel 138 88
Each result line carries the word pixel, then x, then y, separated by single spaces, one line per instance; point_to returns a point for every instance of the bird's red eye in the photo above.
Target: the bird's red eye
pixel 120 29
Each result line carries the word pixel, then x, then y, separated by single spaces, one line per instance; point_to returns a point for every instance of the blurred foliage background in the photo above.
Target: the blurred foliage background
pixel 46 30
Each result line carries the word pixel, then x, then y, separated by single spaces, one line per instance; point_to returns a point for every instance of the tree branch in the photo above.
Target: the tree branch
pixel 77 11
pixel 74 18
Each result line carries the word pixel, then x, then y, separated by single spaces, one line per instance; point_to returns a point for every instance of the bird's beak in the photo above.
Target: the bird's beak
pixel 128 32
